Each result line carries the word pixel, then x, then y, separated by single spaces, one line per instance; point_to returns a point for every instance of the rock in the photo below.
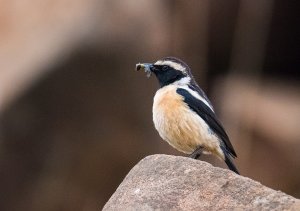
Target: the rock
pixel 163 182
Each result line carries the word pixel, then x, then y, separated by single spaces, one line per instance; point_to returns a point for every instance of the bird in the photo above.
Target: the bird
pixel 183 115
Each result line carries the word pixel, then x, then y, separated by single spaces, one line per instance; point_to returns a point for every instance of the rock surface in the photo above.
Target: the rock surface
pixel 163 182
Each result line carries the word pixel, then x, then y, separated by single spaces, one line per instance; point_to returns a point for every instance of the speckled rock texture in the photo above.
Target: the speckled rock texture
pixel 163 182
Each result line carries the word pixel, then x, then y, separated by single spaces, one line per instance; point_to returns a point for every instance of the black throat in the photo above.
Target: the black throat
pixel 168 77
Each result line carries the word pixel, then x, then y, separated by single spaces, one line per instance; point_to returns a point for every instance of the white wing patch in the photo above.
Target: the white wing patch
pixel 174 65
pixel 196 95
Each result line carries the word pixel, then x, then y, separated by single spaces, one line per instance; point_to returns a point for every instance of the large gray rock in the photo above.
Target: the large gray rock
pixel 163 182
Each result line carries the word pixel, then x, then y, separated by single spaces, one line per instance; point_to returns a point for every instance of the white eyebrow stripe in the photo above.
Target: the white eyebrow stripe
pixel 174 65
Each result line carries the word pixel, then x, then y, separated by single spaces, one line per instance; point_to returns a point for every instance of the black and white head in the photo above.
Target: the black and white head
pixel 173 71
pixel 168 71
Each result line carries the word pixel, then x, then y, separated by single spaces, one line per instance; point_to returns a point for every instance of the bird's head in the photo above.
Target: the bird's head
pixel 168 71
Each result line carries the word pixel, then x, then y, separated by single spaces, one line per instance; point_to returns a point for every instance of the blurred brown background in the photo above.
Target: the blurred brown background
pixel 75 117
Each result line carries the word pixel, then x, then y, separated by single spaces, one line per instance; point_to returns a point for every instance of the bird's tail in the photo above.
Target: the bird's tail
pixel 229 162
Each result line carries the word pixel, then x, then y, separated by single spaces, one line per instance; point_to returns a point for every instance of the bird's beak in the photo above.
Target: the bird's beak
pixel 146 67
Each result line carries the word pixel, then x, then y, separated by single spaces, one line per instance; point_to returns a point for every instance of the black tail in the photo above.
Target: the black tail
pixel 228 160
pixel 229 163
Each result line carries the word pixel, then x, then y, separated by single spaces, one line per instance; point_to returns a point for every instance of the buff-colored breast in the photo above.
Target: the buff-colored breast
pixel 179 126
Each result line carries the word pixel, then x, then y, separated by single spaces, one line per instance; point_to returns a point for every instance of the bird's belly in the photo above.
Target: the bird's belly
pixel 182 128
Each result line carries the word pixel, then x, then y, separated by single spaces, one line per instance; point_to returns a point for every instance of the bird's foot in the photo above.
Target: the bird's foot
pixel 197 153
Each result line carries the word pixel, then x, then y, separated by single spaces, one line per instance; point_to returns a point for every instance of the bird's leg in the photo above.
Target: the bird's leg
pixel 197 153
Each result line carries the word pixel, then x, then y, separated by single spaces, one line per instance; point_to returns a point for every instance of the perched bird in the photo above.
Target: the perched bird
pixel 183 115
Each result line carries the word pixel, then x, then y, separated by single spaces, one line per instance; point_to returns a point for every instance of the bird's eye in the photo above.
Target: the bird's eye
pixel 165 68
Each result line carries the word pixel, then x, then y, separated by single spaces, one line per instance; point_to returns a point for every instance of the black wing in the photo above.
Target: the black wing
pixel 194 86
pixel 208 116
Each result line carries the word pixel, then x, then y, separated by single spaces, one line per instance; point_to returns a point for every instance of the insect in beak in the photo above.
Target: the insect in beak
pixel 146 67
